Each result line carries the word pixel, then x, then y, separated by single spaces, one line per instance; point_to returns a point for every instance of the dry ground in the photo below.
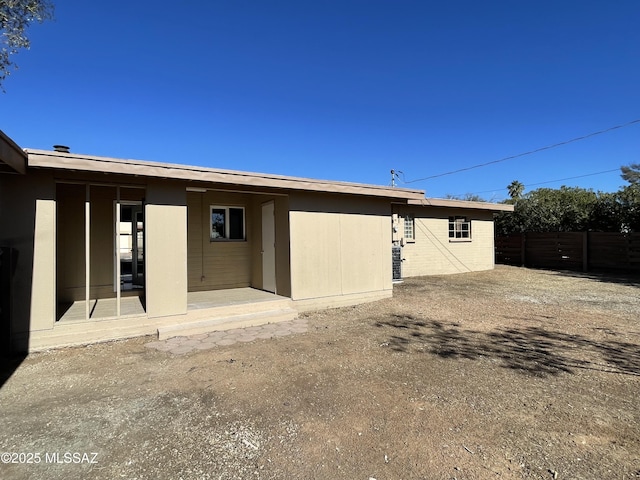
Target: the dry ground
pixel 506 374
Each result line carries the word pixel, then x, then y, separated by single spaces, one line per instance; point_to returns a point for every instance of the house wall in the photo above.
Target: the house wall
pixel 283 247
pixel 166 249
pixel 70 241
pixel 70 257
pixel 214 265
pixel 101 235
pixel 165 243
pixel 340 249
pixel 283 272
pixel 28 224
pixel 46 228
pixel 331 249
pixel 433 253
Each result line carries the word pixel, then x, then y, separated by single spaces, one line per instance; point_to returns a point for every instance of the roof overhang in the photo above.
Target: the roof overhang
pixel 206 176
pixel 12 158
pixel 451 203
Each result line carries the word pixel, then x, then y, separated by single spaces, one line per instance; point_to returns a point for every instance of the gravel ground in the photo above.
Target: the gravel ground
pixel 511 374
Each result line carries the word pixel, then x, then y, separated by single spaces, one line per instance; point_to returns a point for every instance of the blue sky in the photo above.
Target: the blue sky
pixel 341 90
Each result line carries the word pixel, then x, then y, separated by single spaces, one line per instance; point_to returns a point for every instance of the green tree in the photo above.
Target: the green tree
pixel 563 210
pixel 573 209
pixel 549 210
pixel 631 173
pixel 607 214
pixel 629 198
pixel 515 189
pixel 469 197
pixel 15 18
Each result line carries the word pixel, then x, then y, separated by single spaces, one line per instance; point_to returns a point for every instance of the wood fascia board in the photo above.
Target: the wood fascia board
pixel 12 155
pixel 465 204
pixel 65 161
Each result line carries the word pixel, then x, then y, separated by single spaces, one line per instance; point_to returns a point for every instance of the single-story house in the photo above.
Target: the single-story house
pixel 97 248
pixel 434 236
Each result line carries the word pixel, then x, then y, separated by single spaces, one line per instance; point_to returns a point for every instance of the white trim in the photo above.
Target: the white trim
pixel 227 223
pixel 116 245
pixel 87 251
pixel 412 238
pixel 459 221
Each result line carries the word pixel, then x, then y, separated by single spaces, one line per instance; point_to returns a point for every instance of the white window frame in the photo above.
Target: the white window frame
pixel 227 223
pixel 410 221
pixel 459 233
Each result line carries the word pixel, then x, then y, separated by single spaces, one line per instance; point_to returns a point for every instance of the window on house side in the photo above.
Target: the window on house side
pixel 459 228
pixel 409 230
pixel 227 223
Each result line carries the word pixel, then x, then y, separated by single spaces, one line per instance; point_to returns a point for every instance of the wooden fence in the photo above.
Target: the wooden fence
pixel 571 250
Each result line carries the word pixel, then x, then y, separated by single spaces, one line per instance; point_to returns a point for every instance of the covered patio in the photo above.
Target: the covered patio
pixel 198 302
pixel 207 311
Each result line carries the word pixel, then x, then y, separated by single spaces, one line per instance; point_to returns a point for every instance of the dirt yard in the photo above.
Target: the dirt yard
pixel 506 374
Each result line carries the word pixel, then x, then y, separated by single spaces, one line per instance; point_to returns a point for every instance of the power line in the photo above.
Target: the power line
pixel 548 147
pixel 545 182
pixel 571 178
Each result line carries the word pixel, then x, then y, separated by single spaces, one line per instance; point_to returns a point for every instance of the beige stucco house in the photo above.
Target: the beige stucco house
pixel 434 236
pixel 98 248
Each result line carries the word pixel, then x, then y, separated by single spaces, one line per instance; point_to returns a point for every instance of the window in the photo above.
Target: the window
pixel 459 228
pixel 227 223
pixel 409 228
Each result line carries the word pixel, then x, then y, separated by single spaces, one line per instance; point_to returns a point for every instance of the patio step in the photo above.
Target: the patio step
pixel 206 312
pixel 210 321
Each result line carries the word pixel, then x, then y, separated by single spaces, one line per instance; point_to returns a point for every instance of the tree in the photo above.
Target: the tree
pixel 15 17
pixel 608 213
pixel 631 173
pixel 515 189
pixel 573 209
pixel 629 198
pixel 469 197
pixel 567 209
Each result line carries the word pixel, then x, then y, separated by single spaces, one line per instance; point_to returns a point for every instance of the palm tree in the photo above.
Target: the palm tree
pixel 515 189
pixel 631 173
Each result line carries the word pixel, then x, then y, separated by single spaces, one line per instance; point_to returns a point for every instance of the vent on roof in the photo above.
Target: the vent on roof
pixel 61 148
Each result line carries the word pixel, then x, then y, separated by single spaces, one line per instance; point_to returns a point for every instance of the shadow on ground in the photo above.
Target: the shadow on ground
pixel 630 279
pixel 9 365
pixel 529 350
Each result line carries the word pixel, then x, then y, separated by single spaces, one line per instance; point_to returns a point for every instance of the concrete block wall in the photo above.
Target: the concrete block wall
pixel 434 253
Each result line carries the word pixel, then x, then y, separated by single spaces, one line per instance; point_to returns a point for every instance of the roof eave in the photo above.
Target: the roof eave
pixel 67 161
pixel 12 157
pixel 466 204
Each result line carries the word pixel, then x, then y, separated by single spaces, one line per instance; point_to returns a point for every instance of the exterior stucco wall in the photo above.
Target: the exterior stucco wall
pixel 283 250
pixel 28 225
pixel 235 264
pixel 217 264
pixel 281 211
pixel 166 249
pixel 340 247
pixel 70 239
pixel 332 240
pixel 43 298
pixel 434 253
